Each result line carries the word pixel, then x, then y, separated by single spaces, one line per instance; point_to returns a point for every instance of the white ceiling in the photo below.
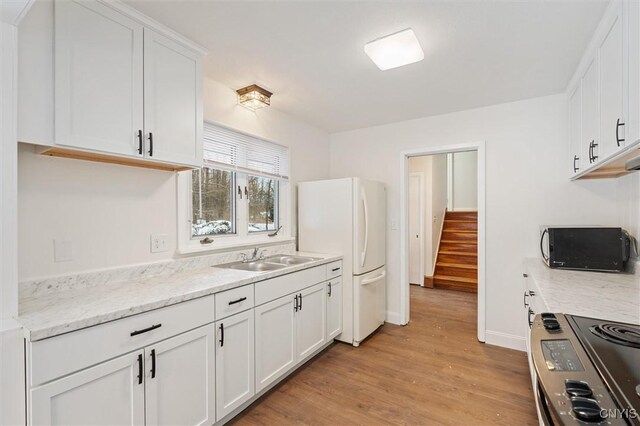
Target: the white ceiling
pixel 310 53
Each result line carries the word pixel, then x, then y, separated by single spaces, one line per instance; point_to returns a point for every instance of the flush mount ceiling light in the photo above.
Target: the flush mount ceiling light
pixel 254 97
pixel 395 50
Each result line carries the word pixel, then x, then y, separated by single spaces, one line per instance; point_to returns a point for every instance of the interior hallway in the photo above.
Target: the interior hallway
pixel 432 371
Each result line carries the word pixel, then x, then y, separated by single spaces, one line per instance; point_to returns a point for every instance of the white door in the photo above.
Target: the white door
pixel 172 101
pixel 235 367
pixel 334 308
pixel 311 321
pixel 612 93
pixel 98 78
pixel 111 393
pixel 416 217
pixel 180 379
pixel 590 114
pixel 275 340
pixel 370 211
pixel 369 303
pixel 575 122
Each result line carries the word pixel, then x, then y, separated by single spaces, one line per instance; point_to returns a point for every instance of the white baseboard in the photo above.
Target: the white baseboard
pixel 394 318
pixel 505 340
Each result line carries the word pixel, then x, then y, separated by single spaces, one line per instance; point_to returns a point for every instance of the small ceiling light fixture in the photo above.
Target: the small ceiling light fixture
pixel 254 97
pixel 395 50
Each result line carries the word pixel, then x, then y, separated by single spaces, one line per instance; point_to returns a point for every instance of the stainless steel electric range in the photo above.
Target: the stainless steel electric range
pixel 588 370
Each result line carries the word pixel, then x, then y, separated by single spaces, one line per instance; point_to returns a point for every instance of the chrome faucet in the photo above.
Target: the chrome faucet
pixel 255 255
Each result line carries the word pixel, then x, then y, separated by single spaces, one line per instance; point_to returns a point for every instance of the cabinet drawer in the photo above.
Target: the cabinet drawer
pixel 274 288
pixel 334 269
pixel 66 353
pixel 233 301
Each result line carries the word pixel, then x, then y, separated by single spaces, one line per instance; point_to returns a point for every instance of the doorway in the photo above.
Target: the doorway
pixel 448 208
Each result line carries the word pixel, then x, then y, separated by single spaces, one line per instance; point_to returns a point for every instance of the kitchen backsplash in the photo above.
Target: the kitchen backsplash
pixel 39 287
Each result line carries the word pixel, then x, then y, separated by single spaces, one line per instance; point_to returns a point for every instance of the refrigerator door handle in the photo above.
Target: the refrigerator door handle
pixel 363 255
pixel 373 280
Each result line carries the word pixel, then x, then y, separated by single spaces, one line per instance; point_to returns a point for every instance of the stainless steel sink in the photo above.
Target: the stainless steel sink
pixel 290 259
pixel 271 263
pixel 256 266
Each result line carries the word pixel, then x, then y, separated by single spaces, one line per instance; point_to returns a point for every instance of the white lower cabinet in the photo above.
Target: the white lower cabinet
pixel 180 379
pixel 334 308
pixel 235 366
pixel 275 339
pixel 111 393
pixel 311 320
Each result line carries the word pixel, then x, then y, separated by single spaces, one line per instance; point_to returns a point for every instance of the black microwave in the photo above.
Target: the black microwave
pixel 585 248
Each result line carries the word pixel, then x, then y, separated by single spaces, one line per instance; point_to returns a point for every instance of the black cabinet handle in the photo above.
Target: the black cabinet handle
pixel 295 304
pixel 575 169
pixel 590 152
pixel 329 289
pixel 529 318
pixel 239 192
pixel 246 193
pixel 150 144
pixel 145 330
pixel 221 335
pixel 140 142
pixel 140 371
pixel 618 124
pixel 300 301
pixel 233 302
pixel 524 299
pixel 335 269
pixel 595 157
pixel 153 363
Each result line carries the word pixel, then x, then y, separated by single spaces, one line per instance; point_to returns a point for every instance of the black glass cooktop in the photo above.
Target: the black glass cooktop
pixel 614 348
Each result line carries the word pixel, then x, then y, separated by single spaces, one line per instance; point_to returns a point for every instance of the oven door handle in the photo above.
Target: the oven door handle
pixel 544 412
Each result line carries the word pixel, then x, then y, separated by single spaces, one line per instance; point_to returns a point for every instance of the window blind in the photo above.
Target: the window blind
pixel 231 150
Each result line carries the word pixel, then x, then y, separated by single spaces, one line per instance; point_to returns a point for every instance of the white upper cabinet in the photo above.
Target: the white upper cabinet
pixel 590 113
pixel 172 100
pixel 612 85
pixel 575 130
pixel 119 87
pixel 98 78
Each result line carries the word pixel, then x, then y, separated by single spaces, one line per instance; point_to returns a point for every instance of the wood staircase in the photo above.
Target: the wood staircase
pixel 457 261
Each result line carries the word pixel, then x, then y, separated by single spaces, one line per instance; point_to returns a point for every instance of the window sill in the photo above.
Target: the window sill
pixel 235 243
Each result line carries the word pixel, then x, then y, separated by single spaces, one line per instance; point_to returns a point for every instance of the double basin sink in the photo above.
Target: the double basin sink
pixel 271 263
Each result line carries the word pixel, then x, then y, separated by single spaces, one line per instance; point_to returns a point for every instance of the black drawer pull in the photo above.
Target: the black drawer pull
pixel 233 302
pixel 153 363
pixel 144 330
pixel 335 269
pixel 221 334
pixel 139 369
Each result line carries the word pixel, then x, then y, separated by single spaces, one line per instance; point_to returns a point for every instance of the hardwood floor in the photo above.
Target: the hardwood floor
pixel 433 371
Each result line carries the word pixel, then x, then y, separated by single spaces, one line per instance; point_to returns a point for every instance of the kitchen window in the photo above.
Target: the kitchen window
pixel 240 196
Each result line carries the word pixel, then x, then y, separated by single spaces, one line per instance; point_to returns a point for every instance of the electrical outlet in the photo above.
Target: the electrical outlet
pixel 158 243
pixel 62 251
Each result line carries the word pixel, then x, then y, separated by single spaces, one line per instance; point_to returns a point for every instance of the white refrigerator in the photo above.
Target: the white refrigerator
pixel 348 217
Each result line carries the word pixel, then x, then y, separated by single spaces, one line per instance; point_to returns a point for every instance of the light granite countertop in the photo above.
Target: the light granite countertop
pixel 52 313
pixel 609 296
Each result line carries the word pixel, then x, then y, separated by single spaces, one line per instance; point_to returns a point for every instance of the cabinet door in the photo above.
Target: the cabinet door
pixel 275 340
pixel 590 114
pixel 612 93
pixel 172 101
pixel 575 123
pixel 111 393
pixel 98 78
pixel 334 308
pixel 235 378
pixel 180 379
pixel 311 321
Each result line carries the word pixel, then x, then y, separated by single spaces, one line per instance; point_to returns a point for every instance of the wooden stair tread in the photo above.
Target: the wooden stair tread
pixel 458 279
pixel 468 242
pixel 458 253
pixel 457 265
pixel 461 231
pixel 460 220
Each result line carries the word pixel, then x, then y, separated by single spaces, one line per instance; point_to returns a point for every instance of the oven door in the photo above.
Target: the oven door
pixel 545 418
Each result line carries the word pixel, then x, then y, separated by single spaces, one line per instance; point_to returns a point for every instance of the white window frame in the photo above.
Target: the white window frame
pixel 187 244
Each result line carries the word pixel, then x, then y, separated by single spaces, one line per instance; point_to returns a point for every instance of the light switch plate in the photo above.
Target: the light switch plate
pixel 394 224
pixel 159 243
pixel 62 251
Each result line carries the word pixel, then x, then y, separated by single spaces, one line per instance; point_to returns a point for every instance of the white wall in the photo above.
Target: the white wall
pixel 465 180
pixel 110 211
pixel 527 186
